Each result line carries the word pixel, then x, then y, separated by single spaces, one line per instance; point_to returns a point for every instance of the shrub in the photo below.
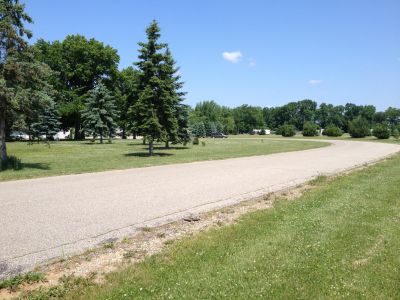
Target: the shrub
pixel 359 128
pixel 381 131
pixel 310 129
pixel 196 140
pixel 396 133
pixel 11 162
pixel 333 130
pixel 287 130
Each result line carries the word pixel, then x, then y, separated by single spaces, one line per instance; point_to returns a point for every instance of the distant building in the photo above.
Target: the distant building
pixel 261 131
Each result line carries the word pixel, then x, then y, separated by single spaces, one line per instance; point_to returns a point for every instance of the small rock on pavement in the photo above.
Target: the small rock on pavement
pixel 191 218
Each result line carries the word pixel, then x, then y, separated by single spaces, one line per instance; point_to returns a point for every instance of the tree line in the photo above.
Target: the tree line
pixel 208 117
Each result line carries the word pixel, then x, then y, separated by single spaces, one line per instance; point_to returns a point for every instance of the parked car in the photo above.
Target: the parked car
pixel 219 135
pixel 19 136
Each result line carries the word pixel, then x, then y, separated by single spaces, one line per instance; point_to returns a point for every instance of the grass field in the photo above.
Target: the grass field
pixel 339 240
pixel 62 158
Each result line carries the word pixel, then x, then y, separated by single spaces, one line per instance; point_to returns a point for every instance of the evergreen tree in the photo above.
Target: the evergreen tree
pixel 155 111
pixel 100 112
pixel 24 86
pixel 175 124
pixel 48 123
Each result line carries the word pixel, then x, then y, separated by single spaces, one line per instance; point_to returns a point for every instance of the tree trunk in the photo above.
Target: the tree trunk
pixel 151 147
pixel 3 148
pixel 167 144
pixel 144 141
pixel 101 136
pixel 77 136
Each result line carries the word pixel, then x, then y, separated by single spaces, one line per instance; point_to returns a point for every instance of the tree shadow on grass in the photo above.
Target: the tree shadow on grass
pixel 146 154
pixel 22 166
pixel 39 166
pixel 172 148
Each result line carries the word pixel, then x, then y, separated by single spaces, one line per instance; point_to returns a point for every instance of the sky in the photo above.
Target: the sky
pixel 257 52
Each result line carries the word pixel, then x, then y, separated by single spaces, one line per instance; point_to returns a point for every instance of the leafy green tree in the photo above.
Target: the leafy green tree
pixel 396 133
pixel 79 64
pixel 393 116
pixel 47 124
pixel 287 130
pixel 24 83
pixel 100 112
pixel 359 127
pixel 248 118
pixel 332 130
pixel 381 131
pixel 310 129
pixel 155 110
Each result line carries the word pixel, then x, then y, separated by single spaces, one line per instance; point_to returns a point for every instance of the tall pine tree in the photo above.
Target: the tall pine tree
pixel 155 111
pixel 100 113
pixel 24 83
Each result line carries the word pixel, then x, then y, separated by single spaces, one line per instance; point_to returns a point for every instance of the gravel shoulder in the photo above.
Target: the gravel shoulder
pixel 46 218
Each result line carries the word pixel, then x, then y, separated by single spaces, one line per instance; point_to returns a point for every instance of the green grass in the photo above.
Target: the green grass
pixel 339 240
pixel 62 158
pixel 13 283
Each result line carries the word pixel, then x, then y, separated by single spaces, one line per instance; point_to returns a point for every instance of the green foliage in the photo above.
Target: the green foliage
pixel 155 111
pixel 287 130
pixel 47 124
pixel 381 131
pixel 198 129
pixel 396 133
pixel 100 112
pixel 333 130
pixel 310 129
pixel 80 63
pixel 248 118
pixel 13 283
pixel 23 80
pixel 359 127
pixel 67 285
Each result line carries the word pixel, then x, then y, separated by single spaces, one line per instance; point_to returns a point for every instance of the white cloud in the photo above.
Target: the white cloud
pixel 233 57
pixel 315 81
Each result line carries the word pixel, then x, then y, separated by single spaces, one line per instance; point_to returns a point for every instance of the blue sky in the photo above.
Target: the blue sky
pixel 275 51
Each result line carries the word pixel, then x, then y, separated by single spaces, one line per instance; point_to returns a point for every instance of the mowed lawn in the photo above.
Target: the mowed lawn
pixel 70 157
pixel 339 240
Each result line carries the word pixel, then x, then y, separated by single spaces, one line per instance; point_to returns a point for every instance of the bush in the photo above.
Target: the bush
pixel 196 140
pixel 333 130
pixel 396 133
pixel 381 131
pixel 359 128
pixel 310 129
pixel 287 130
pixel 11 162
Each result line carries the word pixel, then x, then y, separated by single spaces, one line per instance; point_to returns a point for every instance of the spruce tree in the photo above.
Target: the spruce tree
pixel 100 112
pixel 155 113
pixel 48 123
pixel 24 83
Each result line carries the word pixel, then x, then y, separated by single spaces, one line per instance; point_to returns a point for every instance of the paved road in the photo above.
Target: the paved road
pixel 48 217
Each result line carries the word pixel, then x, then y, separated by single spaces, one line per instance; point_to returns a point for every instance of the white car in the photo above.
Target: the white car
pixel 19 136
pixel 62 135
